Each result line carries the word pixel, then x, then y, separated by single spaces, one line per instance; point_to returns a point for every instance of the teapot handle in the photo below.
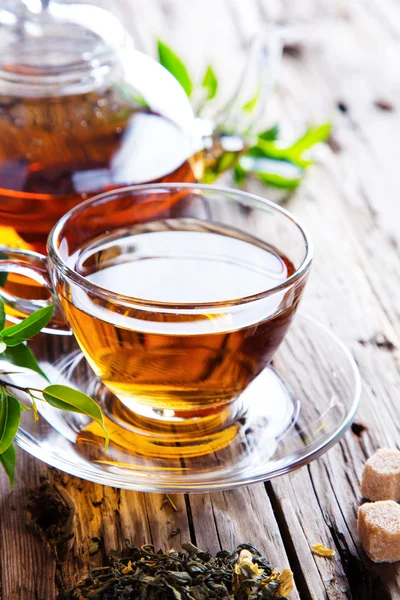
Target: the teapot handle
pixel 34 266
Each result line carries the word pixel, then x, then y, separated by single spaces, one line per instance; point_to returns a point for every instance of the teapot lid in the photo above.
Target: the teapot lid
pixel 56 48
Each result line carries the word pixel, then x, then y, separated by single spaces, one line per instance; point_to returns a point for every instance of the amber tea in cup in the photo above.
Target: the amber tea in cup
pixel 179 362
pixel 178 296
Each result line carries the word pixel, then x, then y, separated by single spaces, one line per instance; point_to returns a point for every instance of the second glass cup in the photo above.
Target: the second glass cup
pixel 178 296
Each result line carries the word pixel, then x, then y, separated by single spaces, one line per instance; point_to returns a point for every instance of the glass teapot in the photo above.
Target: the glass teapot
pixel 82 111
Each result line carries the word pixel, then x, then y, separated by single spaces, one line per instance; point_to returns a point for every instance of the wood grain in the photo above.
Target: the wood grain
pixel 350 54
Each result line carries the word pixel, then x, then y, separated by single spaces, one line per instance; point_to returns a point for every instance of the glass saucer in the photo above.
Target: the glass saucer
pixel 298 407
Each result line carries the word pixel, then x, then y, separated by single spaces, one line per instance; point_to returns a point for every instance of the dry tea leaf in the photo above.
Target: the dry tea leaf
pixel 192 575
pixel 287 585
pixel 94 545
pixel 168 502
pixel 384 105
pixel 175 532
pixel 128 569
pixel 321 550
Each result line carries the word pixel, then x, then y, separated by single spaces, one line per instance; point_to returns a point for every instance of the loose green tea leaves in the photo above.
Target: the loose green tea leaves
pixel 10 416
pixel 66 398
pixel 8 460
pixel 16 334
pixel 171 61
pixel 210 83
pixel 192 575
pixel 175 532
pixel 94 545
pixel 50 516
pixel 22 356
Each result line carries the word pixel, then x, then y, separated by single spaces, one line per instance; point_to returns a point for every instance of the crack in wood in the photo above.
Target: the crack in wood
pixel 380 341
pixel 148 521
pixel 216 526
pixel 358 429
pixel 295 565
pixel 190 520
pixel 363 583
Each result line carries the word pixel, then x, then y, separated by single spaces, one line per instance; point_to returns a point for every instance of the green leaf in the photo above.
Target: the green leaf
pixel 10 416
pixel 2 314
pixel 225 162
pixel 132 95
pixel 171 61
pixel 8 460
pixel 22 356
pixel 278 181
pixel 66 398
pixel 239 174
pixel 12 336
pixel 271 150
pixel 271 134
pixel 34 409
pixel 252 103
pixel 210 83
pixel 312 136
pixel 277 173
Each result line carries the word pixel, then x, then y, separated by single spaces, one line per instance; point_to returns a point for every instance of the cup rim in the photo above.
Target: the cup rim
pixel 89 286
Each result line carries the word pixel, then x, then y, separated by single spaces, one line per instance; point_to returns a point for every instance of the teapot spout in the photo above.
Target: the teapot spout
pixel 233 126
pixel 256 85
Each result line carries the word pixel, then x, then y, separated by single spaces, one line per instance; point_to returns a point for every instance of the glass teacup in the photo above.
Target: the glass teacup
pixel 178 296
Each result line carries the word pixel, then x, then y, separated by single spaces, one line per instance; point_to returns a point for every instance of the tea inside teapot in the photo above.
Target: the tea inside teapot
pixel 81 112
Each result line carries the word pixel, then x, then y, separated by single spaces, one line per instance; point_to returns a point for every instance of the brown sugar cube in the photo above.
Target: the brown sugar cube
pixel 378 526
pixel 381 477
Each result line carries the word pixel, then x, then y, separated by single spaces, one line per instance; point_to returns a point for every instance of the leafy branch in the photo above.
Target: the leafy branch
pixel 263 156
pixel 14 351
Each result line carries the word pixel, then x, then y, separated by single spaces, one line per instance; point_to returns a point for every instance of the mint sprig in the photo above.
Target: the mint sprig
pixel 14 350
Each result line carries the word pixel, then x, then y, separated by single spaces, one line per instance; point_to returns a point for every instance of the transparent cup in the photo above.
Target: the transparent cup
pixel 178 296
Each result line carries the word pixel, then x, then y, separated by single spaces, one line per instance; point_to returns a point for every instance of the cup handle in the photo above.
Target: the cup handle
pixel 33 266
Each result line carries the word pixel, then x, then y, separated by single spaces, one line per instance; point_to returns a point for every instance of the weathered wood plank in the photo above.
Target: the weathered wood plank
pixel 27 567
pixel 354 282
pixel 350 204
pixel 226 519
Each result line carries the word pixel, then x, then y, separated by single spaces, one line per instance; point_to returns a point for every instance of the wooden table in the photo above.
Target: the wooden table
pixel 348 57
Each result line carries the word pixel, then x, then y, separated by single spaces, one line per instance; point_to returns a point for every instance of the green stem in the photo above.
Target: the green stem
pixel 19 387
